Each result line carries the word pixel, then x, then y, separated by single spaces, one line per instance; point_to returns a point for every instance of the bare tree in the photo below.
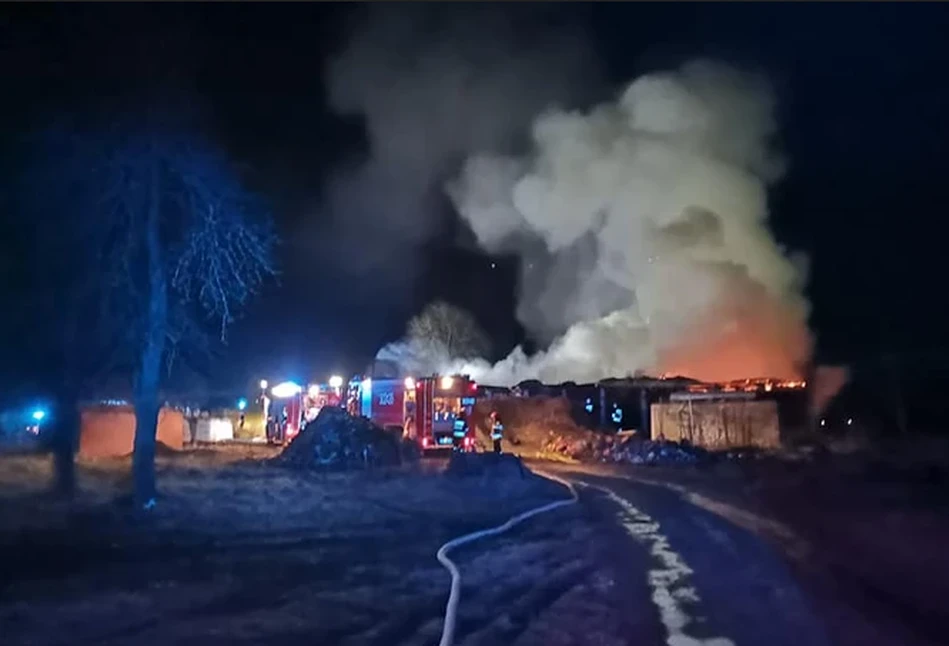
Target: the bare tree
pixel 445 331
pixel 171 242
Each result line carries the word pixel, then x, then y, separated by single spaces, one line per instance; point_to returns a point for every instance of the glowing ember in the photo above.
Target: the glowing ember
pixel 750 386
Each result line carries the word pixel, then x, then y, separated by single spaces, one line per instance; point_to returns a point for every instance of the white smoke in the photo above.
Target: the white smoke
pixel 653 214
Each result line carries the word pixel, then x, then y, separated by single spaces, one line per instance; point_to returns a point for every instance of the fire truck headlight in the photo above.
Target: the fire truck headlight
pixel 409 383
pixel 447 382
pixel 336 381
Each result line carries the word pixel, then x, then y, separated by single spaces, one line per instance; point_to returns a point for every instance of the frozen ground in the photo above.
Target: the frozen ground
pixel 240 552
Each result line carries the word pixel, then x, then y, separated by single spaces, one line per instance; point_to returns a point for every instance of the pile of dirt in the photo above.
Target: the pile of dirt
pixel 530 424
pixel 633 449
pixel 542 427
pixel 629 448
pixel 337 440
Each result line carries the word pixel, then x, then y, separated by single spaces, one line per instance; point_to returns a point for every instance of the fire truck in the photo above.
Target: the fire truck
pixel 422 409
pixel 288 408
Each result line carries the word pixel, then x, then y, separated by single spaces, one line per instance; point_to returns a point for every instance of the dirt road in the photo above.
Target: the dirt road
pixel 709 582
pixel 748 573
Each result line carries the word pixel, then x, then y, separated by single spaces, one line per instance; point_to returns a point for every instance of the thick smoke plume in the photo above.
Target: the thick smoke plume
pixel 434 85
pixel 643 228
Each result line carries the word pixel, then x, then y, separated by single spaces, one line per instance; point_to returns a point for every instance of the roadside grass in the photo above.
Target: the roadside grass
pixel 242 551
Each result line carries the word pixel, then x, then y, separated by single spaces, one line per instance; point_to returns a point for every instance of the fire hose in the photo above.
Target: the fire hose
pixel 454 595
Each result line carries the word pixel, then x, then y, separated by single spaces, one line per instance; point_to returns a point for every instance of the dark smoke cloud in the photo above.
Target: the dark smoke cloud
pixel 435 85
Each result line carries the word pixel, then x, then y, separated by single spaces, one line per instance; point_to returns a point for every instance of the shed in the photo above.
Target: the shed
pixel 214 429
pixel 717 420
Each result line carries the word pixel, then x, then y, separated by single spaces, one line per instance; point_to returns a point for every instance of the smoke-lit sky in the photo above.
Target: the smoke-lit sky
pixel 351 120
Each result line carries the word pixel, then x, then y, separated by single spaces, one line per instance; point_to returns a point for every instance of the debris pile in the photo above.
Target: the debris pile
pixel 528 423
pixel 337 440
pixel 627 447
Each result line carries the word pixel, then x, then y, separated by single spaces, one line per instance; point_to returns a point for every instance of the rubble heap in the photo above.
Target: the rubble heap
pixel 528 423
pixel 337 440
pixel 627 448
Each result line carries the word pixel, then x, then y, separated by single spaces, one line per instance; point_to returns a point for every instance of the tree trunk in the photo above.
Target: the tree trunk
pixel 896 389
pixel 147 403
pixel 67 420
pixel 65 437
pixel 156 327
pixel 143 457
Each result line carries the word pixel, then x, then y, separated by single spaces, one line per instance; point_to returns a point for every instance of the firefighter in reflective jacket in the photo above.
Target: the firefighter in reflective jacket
pixel 459 431
pixel 497 431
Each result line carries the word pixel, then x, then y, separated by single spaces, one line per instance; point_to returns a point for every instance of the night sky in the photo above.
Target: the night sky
pixel 863 111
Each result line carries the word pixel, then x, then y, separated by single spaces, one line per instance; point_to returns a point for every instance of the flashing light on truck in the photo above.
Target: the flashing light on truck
pixel 286 390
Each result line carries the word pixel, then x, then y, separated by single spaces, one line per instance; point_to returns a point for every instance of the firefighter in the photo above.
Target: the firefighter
pixel 497 431
pixel 459 432
pixel 282 423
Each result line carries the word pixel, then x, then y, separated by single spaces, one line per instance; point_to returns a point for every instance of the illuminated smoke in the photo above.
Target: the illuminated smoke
pixel 643 229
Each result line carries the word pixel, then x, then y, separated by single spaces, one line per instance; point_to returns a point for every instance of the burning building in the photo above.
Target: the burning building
pixel 750 412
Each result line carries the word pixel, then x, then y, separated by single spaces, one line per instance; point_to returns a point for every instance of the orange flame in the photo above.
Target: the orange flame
pixel 749 385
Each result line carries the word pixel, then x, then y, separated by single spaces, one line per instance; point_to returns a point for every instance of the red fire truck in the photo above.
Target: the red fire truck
pixel 421 409
pixel 289 408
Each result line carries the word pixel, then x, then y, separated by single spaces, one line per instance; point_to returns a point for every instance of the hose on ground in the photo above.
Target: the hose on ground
pixel 454 595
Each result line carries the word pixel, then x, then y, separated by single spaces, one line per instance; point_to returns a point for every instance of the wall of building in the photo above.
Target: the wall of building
pixel 718 425
pixel 110 431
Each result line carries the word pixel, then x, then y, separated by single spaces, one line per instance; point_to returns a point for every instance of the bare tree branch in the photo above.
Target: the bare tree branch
pixel 446 332
pixel 168 237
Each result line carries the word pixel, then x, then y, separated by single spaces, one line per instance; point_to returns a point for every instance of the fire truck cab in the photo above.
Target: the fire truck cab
pixel 423 409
